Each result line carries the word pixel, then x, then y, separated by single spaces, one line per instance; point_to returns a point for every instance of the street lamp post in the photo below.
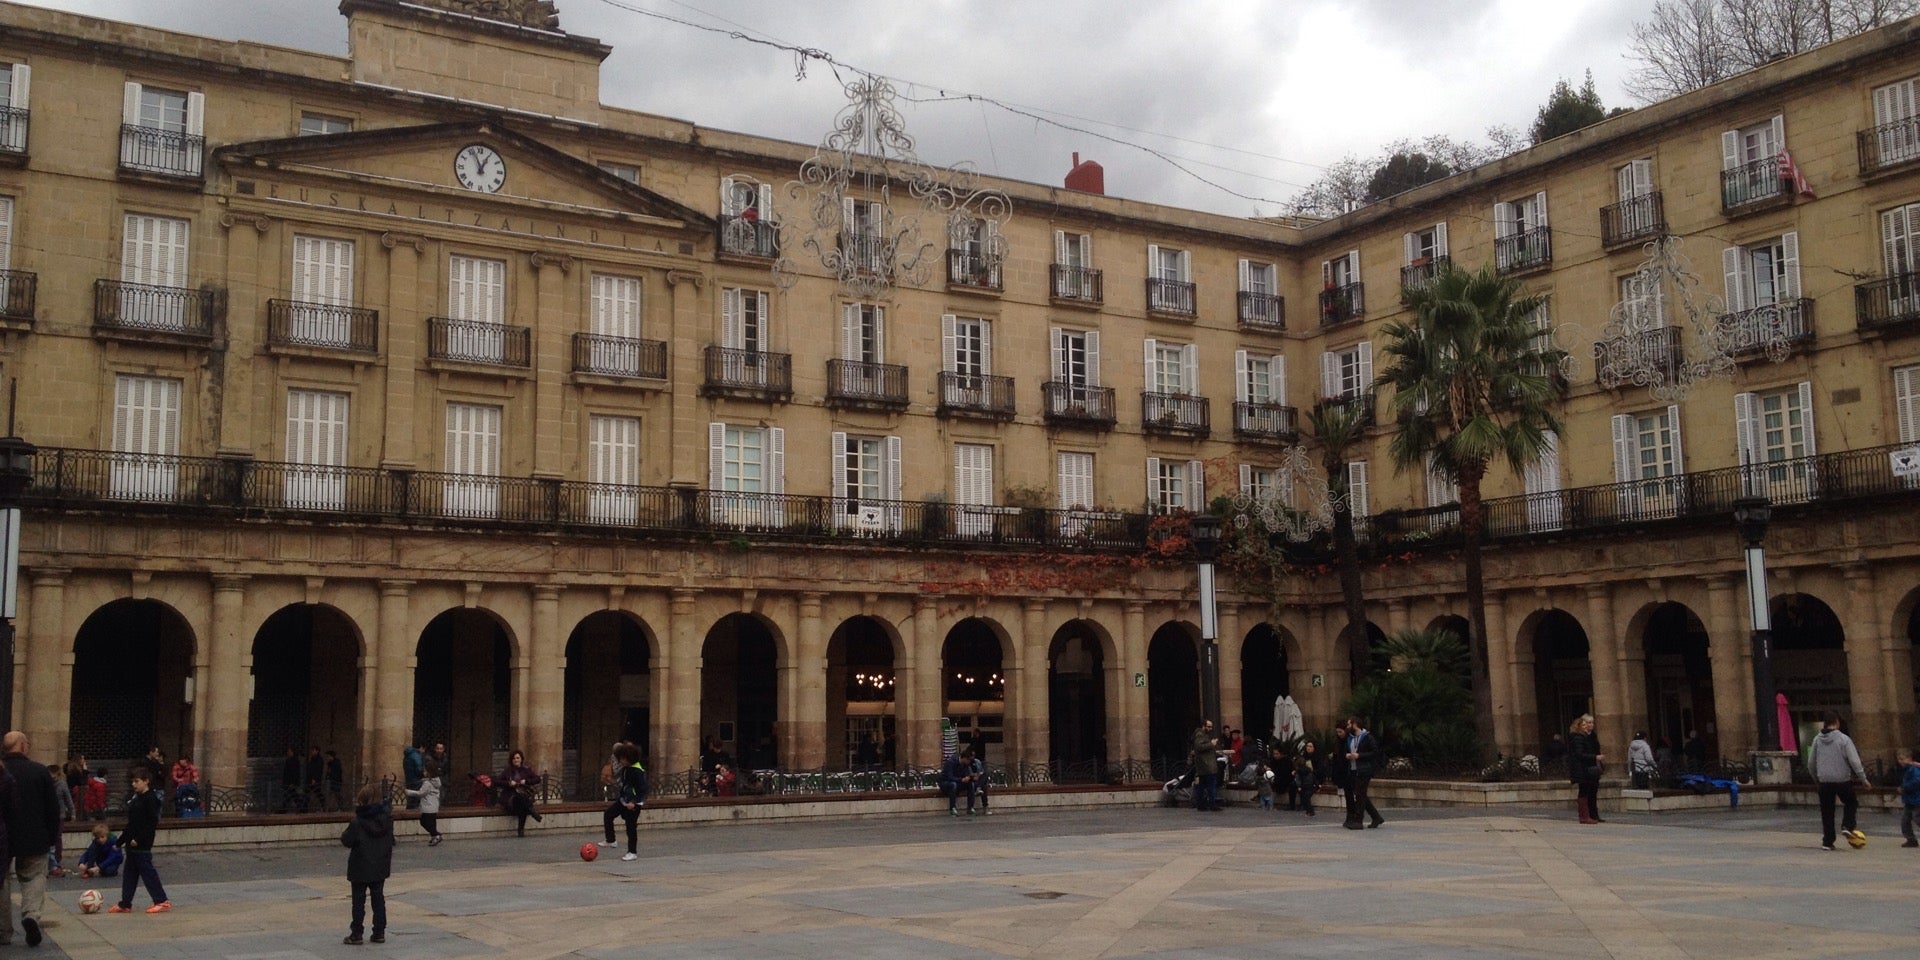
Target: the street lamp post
pixel 1751 515
pixel 16 474
pixel 1206 545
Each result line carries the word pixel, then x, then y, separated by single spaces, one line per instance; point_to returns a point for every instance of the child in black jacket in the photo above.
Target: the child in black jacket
pixel 143 821
pixel 369 840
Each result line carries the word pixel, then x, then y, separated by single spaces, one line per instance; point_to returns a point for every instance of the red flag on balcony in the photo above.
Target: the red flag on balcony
pixel 1791 171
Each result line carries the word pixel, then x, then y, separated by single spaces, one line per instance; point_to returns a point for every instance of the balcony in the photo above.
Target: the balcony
pixel 622 357
pixel 973 271
pixel 1760 185
pixel 1363 403
pixel 1763 331
pixel 1632 221
pixel 866 254
pixel 160 153
pixel 1637 358
pixel 1524 251
pixel 477 341
pixel 750 237
pixel 1886 306
pixel 976 395
pixel 1266 421
pixel 1074 286
pixel 856 384
pixel 1171 298
pixel 1889 146
pixel 1263 311
pixel 13 132
pixel 1342 304
pixel 1416 275
pixel 748 374
pixel 140 309
pixel 294 323
pixel 19 295
pixel 1079 405
pixel 1175 414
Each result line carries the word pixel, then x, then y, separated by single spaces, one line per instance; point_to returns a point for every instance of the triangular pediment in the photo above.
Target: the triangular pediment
pixel 506 166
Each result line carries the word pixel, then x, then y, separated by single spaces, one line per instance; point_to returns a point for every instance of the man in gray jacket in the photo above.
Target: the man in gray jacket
pixel 1836 767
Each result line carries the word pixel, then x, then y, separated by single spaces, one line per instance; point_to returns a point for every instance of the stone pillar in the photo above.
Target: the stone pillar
pixel 1524 682
pixel 1873 724
pixel 555 317
pixel 1500 671
pixel 249 276
pixel 1337 664
pixel 1132 731
pixel 404 330
pixel 690 331
pixel 546 682
pixel 1396 615
pixel 1632 674
pixel 1033 656
pixel 806 737
pixel 680 748
pixel 392 650
pixel 1896 659
pixel 1609 702
pixel 43 663
pixel 928 701
pixel 1730 652
pixel 1232 709
pixel 662 661
pixel 223 742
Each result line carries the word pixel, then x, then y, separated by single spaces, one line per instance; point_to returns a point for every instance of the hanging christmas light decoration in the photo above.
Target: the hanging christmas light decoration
pixel 1665 334
pixel 1309 511
pixel 866 192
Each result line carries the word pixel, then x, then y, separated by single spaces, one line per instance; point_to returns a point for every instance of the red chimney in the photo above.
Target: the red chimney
pixel 1086 177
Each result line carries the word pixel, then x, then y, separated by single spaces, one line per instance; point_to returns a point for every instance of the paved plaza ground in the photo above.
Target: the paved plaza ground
pixel 1142 882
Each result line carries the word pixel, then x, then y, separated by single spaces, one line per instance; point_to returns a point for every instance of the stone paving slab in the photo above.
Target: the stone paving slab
pixel 856 943
pixel 412 943
pixel 474 901
pixel 250 891
pixel 923 899
pixel 1333 948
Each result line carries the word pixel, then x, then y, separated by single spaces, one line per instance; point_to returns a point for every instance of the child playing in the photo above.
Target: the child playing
pixel 429 797
pixel 102 857
pixel 93 805
pixel 1306 775
pixel 1909 796
pixel 1263 786
pixel 143 819
pixel 369 840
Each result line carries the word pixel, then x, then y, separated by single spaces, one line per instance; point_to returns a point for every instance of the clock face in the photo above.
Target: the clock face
pixel 479 167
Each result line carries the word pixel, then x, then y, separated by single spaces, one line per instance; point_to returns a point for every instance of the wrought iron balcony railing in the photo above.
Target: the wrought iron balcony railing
pixel 1416 276
pixel 1364 403
pixel 864 252
pixel 976 395
pixel 1762 330
pixel 13 129
pixel 1342 304
pixel 1263 311
pixel 1889 145
pixel 749 236
pixel 854 382
pixel 1265 421
pixel 1170 296
pixel 1175 413
pixel 19 294
pixel 619 356
pixel 163 152
pixel 973 270
pixel 1632 358
pixel 476 341
pixel 1641 218
pixel 1889 303
pixel 1077 404
pixel 1526 250
pixel 748 373
pixel 118 305
pixel 1754 183
pixel 300 324
pixel 1076 284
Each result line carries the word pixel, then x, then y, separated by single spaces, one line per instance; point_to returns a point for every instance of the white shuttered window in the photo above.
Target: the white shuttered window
pixel 473 453
pixel 613 469
pixel 973 489
pixel 153 253
pixel 316 449
pixel 146 438
pixel 476 302
pixel 322 286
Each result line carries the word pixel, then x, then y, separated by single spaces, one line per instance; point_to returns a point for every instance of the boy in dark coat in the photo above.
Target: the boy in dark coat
pixel 143 821
pixel 369 838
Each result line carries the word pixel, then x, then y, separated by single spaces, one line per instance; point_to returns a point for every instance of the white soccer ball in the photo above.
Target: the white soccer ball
pixel 90 901
pixel 1269 775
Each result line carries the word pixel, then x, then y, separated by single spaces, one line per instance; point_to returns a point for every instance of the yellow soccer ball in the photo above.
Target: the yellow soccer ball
pixel 1856 839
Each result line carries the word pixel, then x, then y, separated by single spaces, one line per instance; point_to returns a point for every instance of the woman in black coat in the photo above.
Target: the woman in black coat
pixel 369 841
pixel 1584 763
pixel 516 785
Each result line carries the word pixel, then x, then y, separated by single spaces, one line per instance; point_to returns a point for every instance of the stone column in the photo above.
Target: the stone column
pixel 43 661
pixel 1232 709
pixel 1500 672
pixel 1524 683
pixel 1132 730
pixel 554 319
pixel 223 744
pixel 1609 702
pixel 249 275
pixel 404 330
pixel 1729 651
pixel 392 650
pixel 546 682
pixel 927 699
pixel 662 662
pixel 1896 659
pixel 1335 663
pixel 1632 674
pixel 690 329
pixel 680 748
pixel 1396 615
pixel 1873 727
pixel 1032 654
pixel 807 730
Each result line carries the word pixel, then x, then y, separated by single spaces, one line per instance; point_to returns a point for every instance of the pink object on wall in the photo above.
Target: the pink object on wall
pixel 1789 741
pixel 1088 177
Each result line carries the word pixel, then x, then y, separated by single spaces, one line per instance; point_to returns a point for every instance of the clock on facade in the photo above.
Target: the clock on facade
pixel 479 167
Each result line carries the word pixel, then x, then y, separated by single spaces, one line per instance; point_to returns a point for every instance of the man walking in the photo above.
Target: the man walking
pixel 33 821
pixel 1836 767
pixel 1206 769
pixel 1363 758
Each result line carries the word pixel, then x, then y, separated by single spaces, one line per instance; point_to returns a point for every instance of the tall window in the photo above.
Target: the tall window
pixel 863 332
pixel 1174 485
pixel 1346 374
pixel 968 345
pixel 1906 403
pixel 1171 367
pixel 1762 274
pixel 1169 273
pixel 862 231
pixel 1074 277
pixel 322 291
pixel 745 461
pixel 316 449
pixel 866 481
pixel 1076 357
pixel 1074 473
pixel 162 130
pixel 473 460
pixel 1262 484
pixel 14 85
pixel 1775 432
pixel 1262 377
pixel 477 304
pixel 613 469
pixel 743 319
pixel 154 254
pixel 1896 121
pixel 973 488
pixel 146 438
pixel 1900 240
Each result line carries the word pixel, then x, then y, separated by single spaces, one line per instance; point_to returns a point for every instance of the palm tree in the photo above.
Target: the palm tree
pixel 1474 381
pixel 1339 426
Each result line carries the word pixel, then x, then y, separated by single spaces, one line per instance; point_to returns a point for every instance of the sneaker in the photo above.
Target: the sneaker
pixel 435 840
pixel 1827 847
pixel 161 907
pixel 970 811
pixel 32 926
pixel 353 939
pixel 986 813
pixel 629 856
pixel 1911 843
pixel 116 908
pixel 378 937
pixel 951 812
pixel 606 843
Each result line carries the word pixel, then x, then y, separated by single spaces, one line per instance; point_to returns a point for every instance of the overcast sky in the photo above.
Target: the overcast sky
pixel 1255 95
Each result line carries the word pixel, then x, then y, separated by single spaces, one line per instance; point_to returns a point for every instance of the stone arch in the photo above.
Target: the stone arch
pixel 132 667
pixel 304 691
pixel 861 655
pixel 1077 657
pixel 1173 695
pixel 1267 654
pixel 1679 678
pixel 740 663
pixel 1563 671
pixel 973 661
pixel 463 692
pixel 606 696
pixel 1809 660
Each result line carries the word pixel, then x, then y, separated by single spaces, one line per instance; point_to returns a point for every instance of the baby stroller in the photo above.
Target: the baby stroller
pixel 482 794
pixel 186 801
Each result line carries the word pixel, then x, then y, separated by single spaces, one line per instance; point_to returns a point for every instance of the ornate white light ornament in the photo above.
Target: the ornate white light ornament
pixel 858 229
pixel 1666 335
pixel 1316 503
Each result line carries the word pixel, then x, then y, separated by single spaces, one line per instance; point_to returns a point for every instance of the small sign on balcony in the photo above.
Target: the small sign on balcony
pixel 1906 462
pixel 869 519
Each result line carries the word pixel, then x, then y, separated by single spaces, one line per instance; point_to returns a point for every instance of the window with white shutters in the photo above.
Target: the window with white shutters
pixel 615 325
pixel 322 291
pixel 1076 356
pixel 14 86
pixel 1896 122
pixel 1634 180
pixel 863 233
pixel 1647 454
pixel 1262 377
pixel 146 438
pixel 1259 279
pixel 14 297
pixel 1542 484
pixel 863 332
pixel 153 254
pixel 974 513
pixel 1169 273
pixel 162 130
pixel 316 449
pixel 1906 403
pixel 745 462
pixel 1358 502
pixel 1347 374
pixel 1774 434
pixel 1441 487
pixel 967 346
pixel 1175 485
pixel 476 305
pixel 1074 277
pixel 472 487
pixel 1900 246
pixel 865 481
pixel 1073 489
pixel 613 469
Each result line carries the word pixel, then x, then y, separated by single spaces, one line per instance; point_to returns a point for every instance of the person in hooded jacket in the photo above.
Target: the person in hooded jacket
pixel 630 794
pixel 1835 765
pixel 369 841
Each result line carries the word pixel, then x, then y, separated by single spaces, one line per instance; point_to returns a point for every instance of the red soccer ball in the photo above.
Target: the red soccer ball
pixel 589 852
